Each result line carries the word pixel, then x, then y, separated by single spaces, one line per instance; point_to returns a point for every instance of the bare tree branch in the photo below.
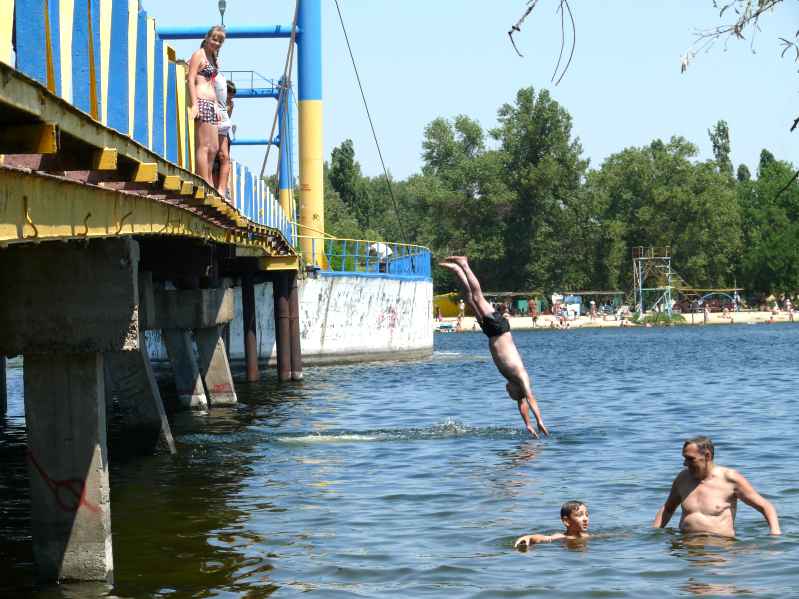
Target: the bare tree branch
pixel 516 28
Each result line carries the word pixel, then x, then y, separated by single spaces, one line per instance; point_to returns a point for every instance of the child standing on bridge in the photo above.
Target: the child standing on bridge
pixel 500 343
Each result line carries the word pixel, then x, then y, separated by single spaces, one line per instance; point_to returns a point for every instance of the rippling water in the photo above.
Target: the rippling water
pixel 412 479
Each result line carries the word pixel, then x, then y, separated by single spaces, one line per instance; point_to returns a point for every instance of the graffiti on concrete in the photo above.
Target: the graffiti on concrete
pixel 69 494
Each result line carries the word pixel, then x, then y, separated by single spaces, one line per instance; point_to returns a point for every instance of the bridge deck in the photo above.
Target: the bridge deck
pixel 65 176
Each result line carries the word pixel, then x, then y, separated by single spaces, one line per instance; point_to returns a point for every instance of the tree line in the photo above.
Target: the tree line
pixel 522 202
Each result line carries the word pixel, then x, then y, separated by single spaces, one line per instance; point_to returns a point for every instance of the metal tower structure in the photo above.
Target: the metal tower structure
pixel 652 279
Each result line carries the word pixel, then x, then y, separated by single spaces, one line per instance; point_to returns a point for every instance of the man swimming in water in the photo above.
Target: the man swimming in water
pixel 709 493
pixel 500 343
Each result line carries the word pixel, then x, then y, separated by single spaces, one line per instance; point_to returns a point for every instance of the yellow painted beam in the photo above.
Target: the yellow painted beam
pixel 279 263
pixel 105 159
pixel 29 139
pixel 199 192
pixel 172 183
pixel 42 207
pixel 145 172
pixel 186 188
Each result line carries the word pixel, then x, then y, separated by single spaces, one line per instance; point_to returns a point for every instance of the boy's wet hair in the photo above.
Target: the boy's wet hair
pixel 703 444
pixel 570 506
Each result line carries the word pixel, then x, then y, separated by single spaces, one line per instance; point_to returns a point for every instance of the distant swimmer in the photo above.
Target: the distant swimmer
pixel 500 343
pixel 574 515
pixel 709 493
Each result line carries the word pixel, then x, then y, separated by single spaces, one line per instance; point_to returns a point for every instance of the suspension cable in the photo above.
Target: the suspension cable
pixel 371 124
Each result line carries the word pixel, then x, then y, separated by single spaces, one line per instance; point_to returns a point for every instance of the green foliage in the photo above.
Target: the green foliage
pixel 659 319
pixel 531 215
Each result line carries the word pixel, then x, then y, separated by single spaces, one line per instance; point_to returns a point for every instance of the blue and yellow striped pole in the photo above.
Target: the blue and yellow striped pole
pixel 285 134
pixel 309 67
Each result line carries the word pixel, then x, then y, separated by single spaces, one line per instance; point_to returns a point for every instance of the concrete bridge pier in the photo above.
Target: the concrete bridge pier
pixel 215 367
pixel 188 384
pixel 188 315
pixel 294 327
pixel 68 466
pixel 96 311
pixel 280 287
pixel 130 376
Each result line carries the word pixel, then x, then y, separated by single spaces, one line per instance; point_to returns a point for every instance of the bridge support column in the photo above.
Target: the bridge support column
pixel 188 383
pixel 63 306
pixel 3 388
pixel 280 286
pixel 68 466
pixel 249 317
pixel 215 367
pixel 176 313
pixel 294 327
pixel 141 408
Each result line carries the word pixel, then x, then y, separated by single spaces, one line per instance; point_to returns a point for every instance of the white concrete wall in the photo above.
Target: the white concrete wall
pixel 341 319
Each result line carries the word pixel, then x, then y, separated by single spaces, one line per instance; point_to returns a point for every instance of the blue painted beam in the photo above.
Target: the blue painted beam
pixel 255 142
pixel 258 92
pixel 251 32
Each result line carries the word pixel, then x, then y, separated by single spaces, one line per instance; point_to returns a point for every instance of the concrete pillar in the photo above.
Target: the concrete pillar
pixel 250 329
pixel 294 328
pixel 3 388
pixel 214 367
pixel 189 386
pixel 68 466
pixel 141 408
pixel 282 326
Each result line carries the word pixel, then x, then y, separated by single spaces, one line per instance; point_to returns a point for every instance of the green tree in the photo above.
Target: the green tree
pixel 743 173
pixel 720 138
pixel 544 168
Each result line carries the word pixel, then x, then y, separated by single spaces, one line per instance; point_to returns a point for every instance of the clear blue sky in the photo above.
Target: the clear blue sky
pixel 422 59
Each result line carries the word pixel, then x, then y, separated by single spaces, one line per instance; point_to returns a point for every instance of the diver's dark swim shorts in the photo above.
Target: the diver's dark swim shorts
pixel 494 324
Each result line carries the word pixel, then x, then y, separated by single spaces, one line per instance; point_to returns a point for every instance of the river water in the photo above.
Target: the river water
pixel 412 479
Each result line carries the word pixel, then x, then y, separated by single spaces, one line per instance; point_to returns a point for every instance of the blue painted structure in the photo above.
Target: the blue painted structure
pixel 38 39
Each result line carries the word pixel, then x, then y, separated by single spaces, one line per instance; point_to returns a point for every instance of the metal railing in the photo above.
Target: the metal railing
pixel 370 258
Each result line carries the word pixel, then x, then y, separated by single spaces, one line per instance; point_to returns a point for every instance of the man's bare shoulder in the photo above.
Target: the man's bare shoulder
pixel 730 475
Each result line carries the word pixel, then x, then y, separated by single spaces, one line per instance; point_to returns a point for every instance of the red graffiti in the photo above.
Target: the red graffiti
pixel 72 488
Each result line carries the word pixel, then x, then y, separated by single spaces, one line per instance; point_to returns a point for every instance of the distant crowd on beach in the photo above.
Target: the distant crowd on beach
pixel 562 316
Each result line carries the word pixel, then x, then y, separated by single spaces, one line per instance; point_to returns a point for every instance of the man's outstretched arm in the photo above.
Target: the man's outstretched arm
pixel 746 492
pixel 667 510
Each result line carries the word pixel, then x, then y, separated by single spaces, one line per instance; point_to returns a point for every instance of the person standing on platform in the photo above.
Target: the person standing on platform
pixel 203 69
pixel 225 91
pixel 500 343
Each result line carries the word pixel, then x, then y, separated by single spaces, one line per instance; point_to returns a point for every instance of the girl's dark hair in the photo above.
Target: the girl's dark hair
pixel 570 506
pixel 231 88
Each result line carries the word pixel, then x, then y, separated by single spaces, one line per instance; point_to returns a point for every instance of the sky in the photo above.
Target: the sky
pixel 419 60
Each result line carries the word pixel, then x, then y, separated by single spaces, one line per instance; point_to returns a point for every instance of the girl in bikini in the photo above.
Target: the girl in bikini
pixel 203 68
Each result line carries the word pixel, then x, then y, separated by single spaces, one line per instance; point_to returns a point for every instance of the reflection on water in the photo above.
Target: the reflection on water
pixel 412 479
pixel 694 587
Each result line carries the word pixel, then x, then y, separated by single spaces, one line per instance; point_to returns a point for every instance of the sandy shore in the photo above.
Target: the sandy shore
pixel 544 322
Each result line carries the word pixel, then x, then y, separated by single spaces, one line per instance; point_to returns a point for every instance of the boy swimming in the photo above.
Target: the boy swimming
pixel 573 514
